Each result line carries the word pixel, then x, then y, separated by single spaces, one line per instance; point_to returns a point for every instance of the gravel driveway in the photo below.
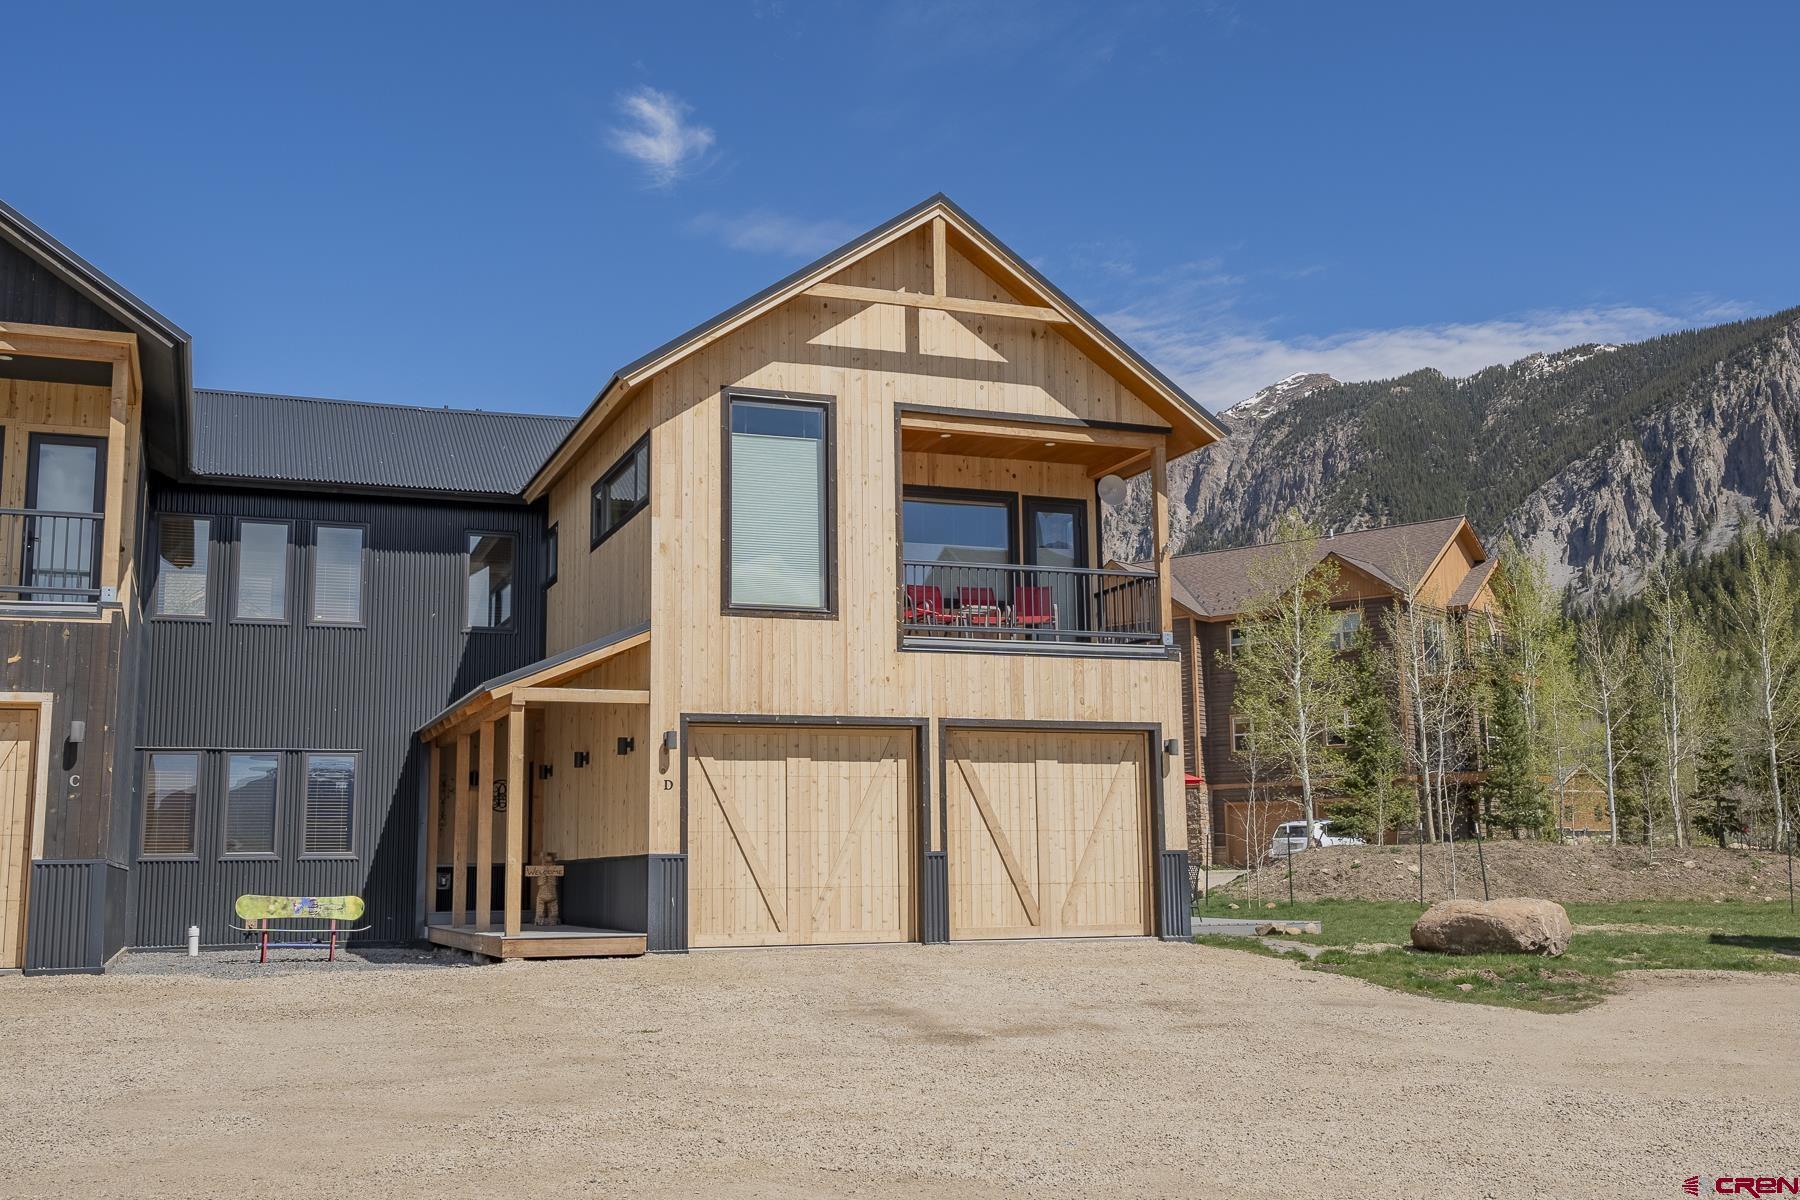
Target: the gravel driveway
pixel 1067 1068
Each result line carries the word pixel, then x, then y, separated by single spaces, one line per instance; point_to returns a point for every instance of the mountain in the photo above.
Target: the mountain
pixel 1595 458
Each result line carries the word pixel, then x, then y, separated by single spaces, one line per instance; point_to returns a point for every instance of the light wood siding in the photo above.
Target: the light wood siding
pixel 18 750
pixel 597 811
pixel 599 589
pixel 1047 833
pixel 800 835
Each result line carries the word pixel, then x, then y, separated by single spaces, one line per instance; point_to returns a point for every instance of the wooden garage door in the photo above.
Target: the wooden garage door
pixel 18 744
pixel 1047 834
pixel 799 835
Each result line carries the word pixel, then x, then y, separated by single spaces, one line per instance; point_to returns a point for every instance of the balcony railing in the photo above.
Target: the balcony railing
pixel 954 604
pixel 49 557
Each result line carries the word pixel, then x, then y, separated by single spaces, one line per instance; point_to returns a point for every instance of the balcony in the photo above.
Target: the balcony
pixel 49 558
pixel 994 606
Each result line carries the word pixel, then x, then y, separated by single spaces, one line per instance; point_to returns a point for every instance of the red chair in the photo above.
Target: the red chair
pixel 1034 607
pixel 978 606
pixel 925 605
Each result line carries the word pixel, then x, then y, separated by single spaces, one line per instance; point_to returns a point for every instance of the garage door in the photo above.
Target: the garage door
pixel 1047 833
pixel 799 835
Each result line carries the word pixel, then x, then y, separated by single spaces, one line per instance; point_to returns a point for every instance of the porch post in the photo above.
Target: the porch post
pixel 1159 535
pixel 484 830
pixel 110 546
pixel 459 837
pixel 434 786
pixel 515 816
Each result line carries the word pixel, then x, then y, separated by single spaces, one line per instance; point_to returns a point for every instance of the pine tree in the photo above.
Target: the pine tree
pixel 1374 754
pixel 1513 793
pixel 1716 782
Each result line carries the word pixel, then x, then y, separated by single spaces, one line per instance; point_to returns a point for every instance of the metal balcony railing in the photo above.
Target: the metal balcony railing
pixel 950 603
pixel 49 557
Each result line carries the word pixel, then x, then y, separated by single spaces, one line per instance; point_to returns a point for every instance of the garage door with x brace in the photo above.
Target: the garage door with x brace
pixel 800 835
pixel 1047 833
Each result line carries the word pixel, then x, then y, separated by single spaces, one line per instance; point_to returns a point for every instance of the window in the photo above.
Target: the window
pixel 1344 628
pixel 957 529
pixel 1234 639
pixel 622 493
pixel 490 580
pixel 550 555
pixel 182 546
pixel 262 567
pixel 1240 735
pixel 337 574
pixel 170 780
pixel 778 505
pixel 250 797
pixel 330 803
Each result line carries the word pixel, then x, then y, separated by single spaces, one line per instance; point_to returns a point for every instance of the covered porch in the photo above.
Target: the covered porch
pixel 498 837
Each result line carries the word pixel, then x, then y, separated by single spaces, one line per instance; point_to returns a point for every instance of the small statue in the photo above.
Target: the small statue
pixel 546 907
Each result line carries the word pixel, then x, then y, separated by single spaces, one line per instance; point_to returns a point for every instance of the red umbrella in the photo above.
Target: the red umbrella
pixel 1194 781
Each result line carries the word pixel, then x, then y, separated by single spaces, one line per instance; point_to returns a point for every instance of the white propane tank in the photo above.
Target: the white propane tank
pixel 193 941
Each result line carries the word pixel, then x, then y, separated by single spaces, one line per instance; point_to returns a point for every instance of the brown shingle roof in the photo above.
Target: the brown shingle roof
pixel 1218 581
pixel 1478 575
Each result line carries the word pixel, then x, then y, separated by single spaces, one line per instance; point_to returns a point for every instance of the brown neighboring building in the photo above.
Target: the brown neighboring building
pixel 1441 562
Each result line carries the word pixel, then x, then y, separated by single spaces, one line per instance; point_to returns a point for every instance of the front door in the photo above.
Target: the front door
pixel 1056 538
pixel 18 779
pixel 65 490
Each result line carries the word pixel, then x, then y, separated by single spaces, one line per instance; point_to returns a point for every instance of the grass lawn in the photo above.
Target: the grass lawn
pixel 1631 936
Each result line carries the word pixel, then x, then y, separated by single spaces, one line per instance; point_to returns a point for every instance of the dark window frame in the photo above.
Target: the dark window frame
pixel 205 617
pixel 827 406
pixel 1011 500
pixel 98 443
pixel 312 577
pixel 356 802
pixel 552 552
pixel 224 758
pixel 192 853
pixel 237 566
pixel 468 558
pixel 597 493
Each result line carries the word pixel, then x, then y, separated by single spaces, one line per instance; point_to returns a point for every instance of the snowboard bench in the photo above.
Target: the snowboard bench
pixel 258 914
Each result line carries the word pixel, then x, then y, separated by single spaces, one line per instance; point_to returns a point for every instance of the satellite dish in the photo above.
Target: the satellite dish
pixel 1112 490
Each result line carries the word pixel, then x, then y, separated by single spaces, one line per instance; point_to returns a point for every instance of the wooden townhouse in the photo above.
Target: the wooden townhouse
pixel 1441 564
pixel 798 634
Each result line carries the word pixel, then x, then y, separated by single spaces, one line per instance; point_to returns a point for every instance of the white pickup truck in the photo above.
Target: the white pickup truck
pixel 1290 838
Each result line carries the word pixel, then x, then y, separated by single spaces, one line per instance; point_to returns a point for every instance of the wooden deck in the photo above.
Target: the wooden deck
pixel 541 941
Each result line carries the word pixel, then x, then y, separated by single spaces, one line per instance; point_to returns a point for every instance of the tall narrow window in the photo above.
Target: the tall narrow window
pixel 262 571
pixel 337 574
pixel 330 803
pixel 490 580
pixel 623 492
pixel 250 795
pixel 183 545
pixel 778 505
pixel 1344 628
pixel 170 781
pixel 551 555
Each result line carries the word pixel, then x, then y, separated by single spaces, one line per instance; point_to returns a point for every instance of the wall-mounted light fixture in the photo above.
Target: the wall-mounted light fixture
pixel 581 758
pixel 627 745
pixel 543 770
pixel 77 731
pixel 671 739
pixel 1171 747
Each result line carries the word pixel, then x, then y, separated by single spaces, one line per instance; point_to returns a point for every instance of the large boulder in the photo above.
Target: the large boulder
pixel 1494 927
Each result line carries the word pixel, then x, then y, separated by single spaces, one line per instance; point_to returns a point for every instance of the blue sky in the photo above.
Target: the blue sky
pixel 495 206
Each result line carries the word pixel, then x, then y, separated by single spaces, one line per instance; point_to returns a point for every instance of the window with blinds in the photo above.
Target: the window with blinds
pixel 251 791
pixel 262 568
pixel 330 803
pixel 778 505
pixel 183 544
pixel 170 781
pixel 490 580
pixel 623 492
pixel 337 574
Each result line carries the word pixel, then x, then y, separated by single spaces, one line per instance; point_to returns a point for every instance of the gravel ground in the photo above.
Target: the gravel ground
pixel 1050 1069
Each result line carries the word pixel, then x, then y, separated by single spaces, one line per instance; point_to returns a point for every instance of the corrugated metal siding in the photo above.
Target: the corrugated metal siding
pixel 216 685
pixel 934 906
pixel 298 439
pixel 1175 919
pixel 31 294
pixel 667 918
pixel 66 923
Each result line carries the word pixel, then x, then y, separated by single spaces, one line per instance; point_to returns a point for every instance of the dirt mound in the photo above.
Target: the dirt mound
pixel 1594 873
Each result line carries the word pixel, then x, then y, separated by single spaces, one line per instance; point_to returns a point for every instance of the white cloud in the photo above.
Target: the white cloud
pixel 1221 359
pixel 659 135
pixel 764 232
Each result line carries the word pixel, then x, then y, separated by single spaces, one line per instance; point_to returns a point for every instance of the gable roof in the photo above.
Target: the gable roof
pixel 1181 407
pixel 304 441
pixel 1218 584
pixel 165 352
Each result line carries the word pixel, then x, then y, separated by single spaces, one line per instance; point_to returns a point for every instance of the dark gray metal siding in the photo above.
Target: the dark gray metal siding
pixel 385 447
pixel 216 686
pixel 666 923
pixel 69 906
pixel 934 906
pixel 1175 901
pixel 32 294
